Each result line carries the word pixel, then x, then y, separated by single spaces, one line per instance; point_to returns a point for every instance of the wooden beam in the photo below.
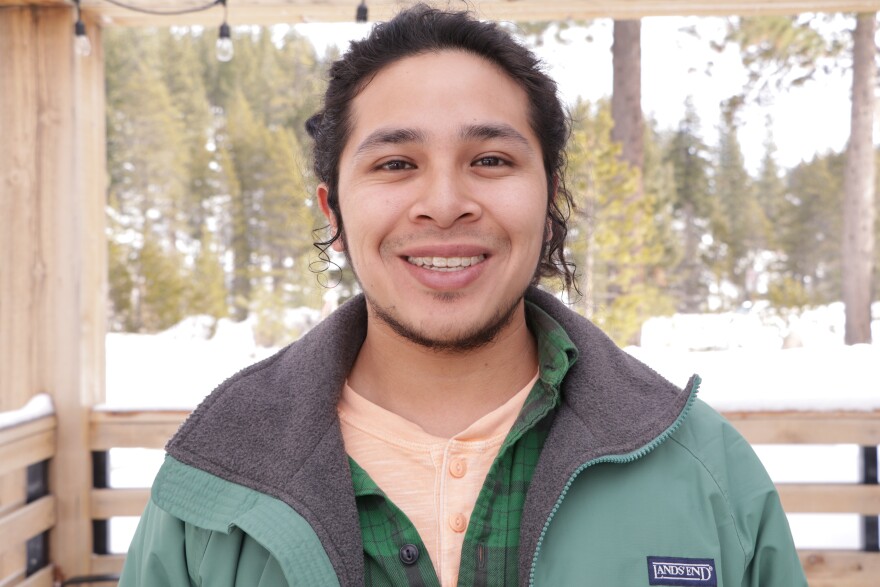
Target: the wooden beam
pixel 153 428
pixel 13 579
pixel 22 270
pixel 27 522
pixel 27 451
pixel 831 498
pixel 109 503
pixel 13 496
pixel 266 12
pixel 134 429
pixel 107 564
pixel 42 578
pixel 52 170
pixel 20 446
pixel 789 427
pixel 829 568
pixel 14 433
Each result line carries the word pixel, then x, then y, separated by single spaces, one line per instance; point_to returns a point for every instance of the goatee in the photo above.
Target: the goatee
pixel 468 340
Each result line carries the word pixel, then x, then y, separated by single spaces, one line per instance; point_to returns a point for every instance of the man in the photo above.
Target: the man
pixel 454 425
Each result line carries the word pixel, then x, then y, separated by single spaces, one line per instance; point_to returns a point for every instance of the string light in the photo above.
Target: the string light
pixel 224 49
pixel 81 44
pixel 361 14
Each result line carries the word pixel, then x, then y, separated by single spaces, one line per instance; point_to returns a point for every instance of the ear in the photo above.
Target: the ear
pixel 322 193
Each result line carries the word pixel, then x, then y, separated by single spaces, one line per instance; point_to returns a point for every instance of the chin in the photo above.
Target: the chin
pixel 443 340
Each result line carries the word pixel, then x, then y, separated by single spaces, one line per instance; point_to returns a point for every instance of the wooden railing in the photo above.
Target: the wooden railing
pixel 27 510
pixel 126 429
pixel 824 568
pixel 23 519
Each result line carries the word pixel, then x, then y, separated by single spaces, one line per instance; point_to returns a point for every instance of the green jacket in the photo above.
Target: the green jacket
pixel 638 483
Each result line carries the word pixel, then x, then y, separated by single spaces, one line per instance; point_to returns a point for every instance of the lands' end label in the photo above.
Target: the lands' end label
pixel 665 570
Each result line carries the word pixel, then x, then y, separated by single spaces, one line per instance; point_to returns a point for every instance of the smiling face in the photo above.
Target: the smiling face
pixel 444 196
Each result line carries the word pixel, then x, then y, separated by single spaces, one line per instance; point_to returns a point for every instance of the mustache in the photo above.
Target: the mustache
pixel 453 236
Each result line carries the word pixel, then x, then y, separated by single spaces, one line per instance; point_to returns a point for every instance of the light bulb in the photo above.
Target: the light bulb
pixel 81 44
pixel 361 12
pixel 225 49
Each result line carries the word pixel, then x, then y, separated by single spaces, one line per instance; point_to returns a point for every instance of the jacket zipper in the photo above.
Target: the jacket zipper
pixel 617 459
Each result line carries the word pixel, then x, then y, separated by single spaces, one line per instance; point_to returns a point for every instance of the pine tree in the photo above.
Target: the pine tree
pixel 741 224
pixel 770 188
pixel 146 146
pixel 160 288
pixel 207 284
pixel 812 207
pixel 182 75
pixel 659 184
pixel 120 287
pixel 693 207
pixel 609 228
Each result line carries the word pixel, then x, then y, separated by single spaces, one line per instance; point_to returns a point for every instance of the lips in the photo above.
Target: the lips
pixel 446 263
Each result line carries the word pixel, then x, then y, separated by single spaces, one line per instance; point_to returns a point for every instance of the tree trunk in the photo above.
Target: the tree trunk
pixel 629 127
pixel 690 264
pixel 626 99
pixel 858 187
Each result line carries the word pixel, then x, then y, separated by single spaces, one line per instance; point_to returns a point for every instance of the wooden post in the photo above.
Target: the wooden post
pixel 52 246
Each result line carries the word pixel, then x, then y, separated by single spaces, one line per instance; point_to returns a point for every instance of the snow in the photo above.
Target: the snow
pixel 742 359
pixel 806 379
pixel 176 368
pixel 740 356
pixel 40 405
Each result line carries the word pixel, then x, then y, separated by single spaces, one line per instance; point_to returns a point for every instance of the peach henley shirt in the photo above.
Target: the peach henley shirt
pixel 434 481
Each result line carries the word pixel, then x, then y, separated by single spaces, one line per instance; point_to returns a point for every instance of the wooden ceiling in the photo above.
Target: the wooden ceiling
pixel 295 11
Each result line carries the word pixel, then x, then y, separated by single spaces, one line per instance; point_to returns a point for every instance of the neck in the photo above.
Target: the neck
pixel 442 391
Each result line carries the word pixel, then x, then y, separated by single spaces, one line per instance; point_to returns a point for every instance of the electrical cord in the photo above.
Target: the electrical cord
pixel 164 12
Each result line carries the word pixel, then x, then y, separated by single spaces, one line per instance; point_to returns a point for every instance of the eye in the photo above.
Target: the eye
pixel 490 161
pixel 396 165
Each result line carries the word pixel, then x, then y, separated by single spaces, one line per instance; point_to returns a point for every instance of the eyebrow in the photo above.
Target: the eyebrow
pixel 494 131
pixel 397 136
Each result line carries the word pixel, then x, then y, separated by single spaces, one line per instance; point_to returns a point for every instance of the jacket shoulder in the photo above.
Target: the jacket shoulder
pixel 719 448
pixel 203 530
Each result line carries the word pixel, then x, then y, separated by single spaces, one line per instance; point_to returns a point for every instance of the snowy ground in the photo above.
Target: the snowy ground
pixel 742 363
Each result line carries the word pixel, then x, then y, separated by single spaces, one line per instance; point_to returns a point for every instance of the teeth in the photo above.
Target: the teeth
pixel 446 263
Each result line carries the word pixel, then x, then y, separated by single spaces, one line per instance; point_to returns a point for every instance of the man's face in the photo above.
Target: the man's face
pixel 444 196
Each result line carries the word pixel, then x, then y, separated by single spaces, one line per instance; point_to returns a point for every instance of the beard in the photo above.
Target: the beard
pixel 478 336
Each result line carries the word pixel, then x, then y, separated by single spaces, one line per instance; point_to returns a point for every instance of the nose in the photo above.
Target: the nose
pixel 445 198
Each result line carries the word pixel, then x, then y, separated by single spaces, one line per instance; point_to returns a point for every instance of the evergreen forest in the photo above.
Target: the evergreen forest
pixel 210 205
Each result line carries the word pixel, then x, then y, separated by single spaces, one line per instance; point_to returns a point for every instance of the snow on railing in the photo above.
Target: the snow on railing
pixel 39 406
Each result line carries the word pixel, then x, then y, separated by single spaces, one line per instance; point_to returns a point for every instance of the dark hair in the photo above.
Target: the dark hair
pixel 423 29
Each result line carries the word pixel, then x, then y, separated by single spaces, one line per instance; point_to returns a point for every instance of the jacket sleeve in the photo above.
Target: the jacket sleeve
pixel 765 555
pixel 157 555
pixel 770 555
pixel 774 560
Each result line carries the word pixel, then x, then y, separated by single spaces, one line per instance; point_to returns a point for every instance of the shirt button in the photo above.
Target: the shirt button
pixel 458 468
pixel 409 554
pixel 458 523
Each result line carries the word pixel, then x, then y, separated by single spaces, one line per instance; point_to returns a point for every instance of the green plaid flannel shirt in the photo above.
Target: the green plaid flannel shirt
pixel 491 543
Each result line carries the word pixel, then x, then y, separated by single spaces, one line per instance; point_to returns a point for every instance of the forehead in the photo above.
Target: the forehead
pixel 439 93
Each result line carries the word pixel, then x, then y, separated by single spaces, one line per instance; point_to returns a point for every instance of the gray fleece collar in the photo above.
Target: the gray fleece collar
pixel 273 427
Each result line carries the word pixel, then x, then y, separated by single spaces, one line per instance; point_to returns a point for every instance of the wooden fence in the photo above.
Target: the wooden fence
pixel 23 519
pixel 27 510
pixel 824 568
